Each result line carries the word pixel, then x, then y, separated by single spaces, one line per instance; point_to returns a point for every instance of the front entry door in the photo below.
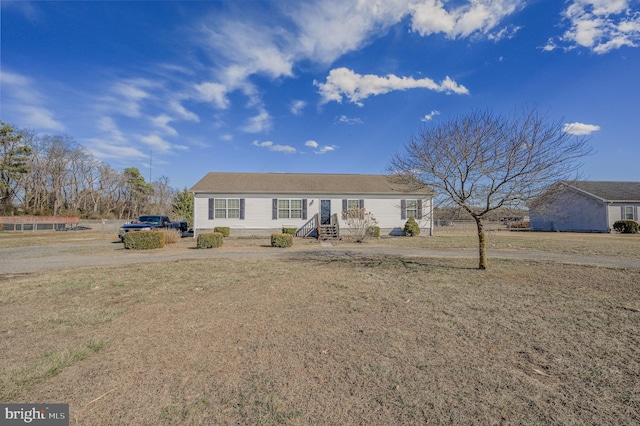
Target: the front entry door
pixel 325 212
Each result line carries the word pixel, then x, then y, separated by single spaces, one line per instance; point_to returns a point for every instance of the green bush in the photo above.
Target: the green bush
pixel 144 240
pixel 210 240
pixel 375 231
pixel 224 230
pixel 411 228
pixel 626 227
pixel 281 240
pixel 291 231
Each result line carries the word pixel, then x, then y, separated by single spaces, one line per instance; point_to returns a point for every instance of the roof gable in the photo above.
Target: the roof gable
pixel 609 190
pixel 302 183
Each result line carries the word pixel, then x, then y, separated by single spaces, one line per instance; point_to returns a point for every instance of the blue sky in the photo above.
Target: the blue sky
pixel 323 86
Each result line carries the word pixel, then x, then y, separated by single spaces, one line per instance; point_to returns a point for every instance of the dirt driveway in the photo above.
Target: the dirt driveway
pixel 76 254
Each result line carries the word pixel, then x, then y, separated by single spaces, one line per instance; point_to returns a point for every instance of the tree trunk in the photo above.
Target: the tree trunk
pixel 482 244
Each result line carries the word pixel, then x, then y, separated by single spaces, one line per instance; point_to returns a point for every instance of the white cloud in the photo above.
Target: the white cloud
pixel 162 121
pixel 297 106
pixel 355 87
pixel 461 20
pixel 349 120
pixel 213 92
pixel 274 147
pixel 258 123
pixel 312 144
pixel 105 149
pixel 156 142
pixel 27 105
pixel 241 46
pixel 599 25
pixel 580 129
pixel 326 148
pixel 504 33
pixel 430 116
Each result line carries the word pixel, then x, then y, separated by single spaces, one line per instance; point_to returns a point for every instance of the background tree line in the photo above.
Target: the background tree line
pixel 54 175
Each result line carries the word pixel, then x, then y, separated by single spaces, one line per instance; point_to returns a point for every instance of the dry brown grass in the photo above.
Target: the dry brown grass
pixel 321 338
pixel 171 236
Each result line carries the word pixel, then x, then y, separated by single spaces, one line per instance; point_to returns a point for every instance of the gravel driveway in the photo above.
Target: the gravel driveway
pixel 31 259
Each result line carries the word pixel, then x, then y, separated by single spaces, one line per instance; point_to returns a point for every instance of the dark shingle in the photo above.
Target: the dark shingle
pixel 610 191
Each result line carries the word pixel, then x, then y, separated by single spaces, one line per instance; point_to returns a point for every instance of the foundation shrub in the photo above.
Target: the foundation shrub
pixel 290 231
pixel 281 240
pixel 224 230
pixel 210 240
pixel 411 228
pixel 144 240
pixel 626 227
pixel 375 231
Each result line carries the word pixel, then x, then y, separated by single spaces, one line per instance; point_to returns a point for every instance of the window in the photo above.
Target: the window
pixel 412 209
pixel 353 204
pixel 627 213
pixel 290 209
pixel 226 208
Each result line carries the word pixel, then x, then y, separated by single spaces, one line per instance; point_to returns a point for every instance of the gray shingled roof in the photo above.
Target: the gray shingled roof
pixel 302 183
pixel 610 191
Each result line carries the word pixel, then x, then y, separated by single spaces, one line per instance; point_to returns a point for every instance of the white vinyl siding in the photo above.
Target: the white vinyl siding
pixel 261 211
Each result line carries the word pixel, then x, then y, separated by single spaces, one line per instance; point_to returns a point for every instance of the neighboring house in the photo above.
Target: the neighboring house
pixel 264 203
pixel 585 206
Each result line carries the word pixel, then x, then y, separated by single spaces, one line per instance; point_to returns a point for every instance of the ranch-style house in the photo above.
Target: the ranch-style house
pixel 264 203
pixel 585 206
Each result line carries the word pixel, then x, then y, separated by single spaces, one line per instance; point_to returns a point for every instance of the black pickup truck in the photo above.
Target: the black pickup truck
pixel 151 222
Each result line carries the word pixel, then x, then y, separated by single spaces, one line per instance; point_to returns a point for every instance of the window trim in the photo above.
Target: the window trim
pixel 276 208
pixel 404 208
pixel 213 208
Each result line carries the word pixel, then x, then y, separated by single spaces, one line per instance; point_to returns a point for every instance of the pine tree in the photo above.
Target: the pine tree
pixel 183 206
pixel 14 164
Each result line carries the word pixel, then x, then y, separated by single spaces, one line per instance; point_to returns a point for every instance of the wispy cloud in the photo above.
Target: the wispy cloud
pixel 343 82
pixel 461 19
pixel 275 147
pixel 242 46
pixel 598 25
pixel 311 144
pixel 28 105
pixel 429 117
pixel 580 129
pixel 348 120
pixel 258 123
pixel 162 122
pixel 297 107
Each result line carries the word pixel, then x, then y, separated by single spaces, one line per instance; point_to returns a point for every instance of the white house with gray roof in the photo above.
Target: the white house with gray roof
pixel 585 206
pixel 264 203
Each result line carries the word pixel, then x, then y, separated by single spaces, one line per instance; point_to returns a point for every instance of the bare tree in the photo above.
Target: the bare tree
pixel 360 223
pixel 482 162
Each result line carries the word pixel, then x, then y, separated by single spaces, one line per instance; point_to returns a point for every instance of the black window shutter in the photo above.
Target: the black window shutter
pixel 403 209
pixel 419 209
pixel 241 208
pixel 274 209
pixel 344 205
pixel 361 202
pixel 304 208
pixel 210 208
